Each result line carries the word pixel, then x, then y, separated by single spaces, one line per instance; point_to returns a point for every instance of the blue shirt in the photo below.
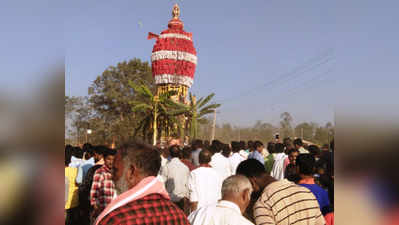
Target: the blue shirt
pixel 321 196
pixel 83 168
pixel 256 155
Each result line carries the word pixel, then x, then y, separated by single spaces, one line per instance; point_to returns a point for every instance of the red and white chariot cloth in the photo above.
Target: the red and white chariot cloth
pixel 174 57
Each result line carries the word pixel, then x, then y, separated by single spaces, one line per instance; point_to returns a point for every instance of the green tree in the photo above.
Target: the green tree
pixel 110 96
pixel 196 112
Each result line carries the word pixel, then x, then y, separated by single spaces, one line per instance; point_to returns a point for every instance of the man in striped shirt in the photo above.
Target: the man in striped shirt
pixel 279 202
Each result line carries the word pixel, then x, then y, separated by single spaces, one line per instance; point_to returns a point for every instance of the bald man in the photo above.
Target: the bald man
pixel 236 195
pixel 204 183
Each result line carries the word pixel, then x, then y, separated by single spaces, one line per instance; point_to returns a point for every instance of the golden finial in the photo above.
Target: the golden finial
pixel 176 11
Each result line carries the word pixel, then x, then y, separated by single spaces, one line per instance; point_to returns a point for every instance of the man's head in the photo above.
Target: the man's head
pixel 174 151
pixel 186 153
pixel 86 147
pixel 298 143
pixel 204 156
pixel 237 189
pixel 78 152
pixel 258 146
pixel 292 155
pixel 251 145
pixel 98 152
pixel 287 141
pixel 305 164
pixel 288 147
pixel 88 150
pixel 109 157
pixel 270 147
pixel 89 153
pixel 133 163
pixel 216 146
pixel 278 148
pixel 314 151
pixel 235 146
pixel 226 151
pixel 242 145
pixel 174 141
pixel 197 144
pixel 256 173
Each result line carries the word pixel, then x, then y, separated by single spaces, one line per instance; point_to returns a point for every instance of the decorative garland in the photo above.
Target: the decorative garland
pixel 173 79
pixel 174 57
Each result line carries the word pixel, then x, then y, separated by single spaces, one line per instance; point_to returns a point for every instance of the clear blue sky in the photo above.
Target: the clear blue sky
pixel 261 50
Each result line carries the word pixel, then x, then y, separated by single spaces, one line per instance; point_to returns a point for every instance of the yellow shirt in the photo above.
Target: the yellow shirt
pixel 73 196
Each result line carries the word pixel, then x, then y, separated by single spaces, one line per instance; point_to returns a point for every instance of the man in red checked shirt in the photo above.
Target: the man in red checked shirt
pixel 143 199
pixel 103 188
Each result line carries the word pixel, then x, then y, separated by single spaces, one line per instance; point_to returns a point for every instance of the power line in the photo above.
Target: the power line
pixel 293 78
pixel 301 69
pixel 305 85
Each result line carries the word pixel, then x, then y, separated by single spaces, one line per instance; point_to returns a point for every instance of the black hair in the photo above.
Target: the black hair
pixel 100 149
pixel 108 152
pixel 314 150
pixel 306 164
pixel 258 144
pixel 197 144
pixel 251 168
pixel 235 146
pixel 216 146
pixel 270 147
pixel 174 151
pixel 86 147
pixel 186 153
pixel 68 154
pixel 204 156
pixel 278 148
pixel 292 151
pixel 78 152
pixel 242 145
pixel 286 141
pixel 298 141
pixel 250 144
pixel 226 151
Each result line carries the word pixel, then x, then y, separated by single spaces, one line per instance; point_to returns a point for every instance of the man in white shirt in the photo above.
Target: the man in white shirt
pixel 236 195
pixel 197 147
pixel 279 158
pixel 76 159
pixel 299 146
pixel 204 183
pixel 175 174
pixel 87 163
pixel 220 163
pixel 235 158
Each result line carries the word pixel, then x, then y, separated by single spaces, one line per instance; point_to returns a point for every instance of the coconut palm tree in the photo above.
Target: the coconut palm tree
pixel 196 112
pixel 155 110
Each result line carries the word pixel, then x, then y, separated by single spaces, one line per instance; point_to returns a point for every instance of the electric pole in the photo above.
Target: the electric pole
pixel 213 125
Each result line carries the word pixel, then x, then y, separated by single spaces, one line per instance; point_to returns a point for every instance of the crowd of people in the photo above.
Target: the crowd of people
pixel 285 182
